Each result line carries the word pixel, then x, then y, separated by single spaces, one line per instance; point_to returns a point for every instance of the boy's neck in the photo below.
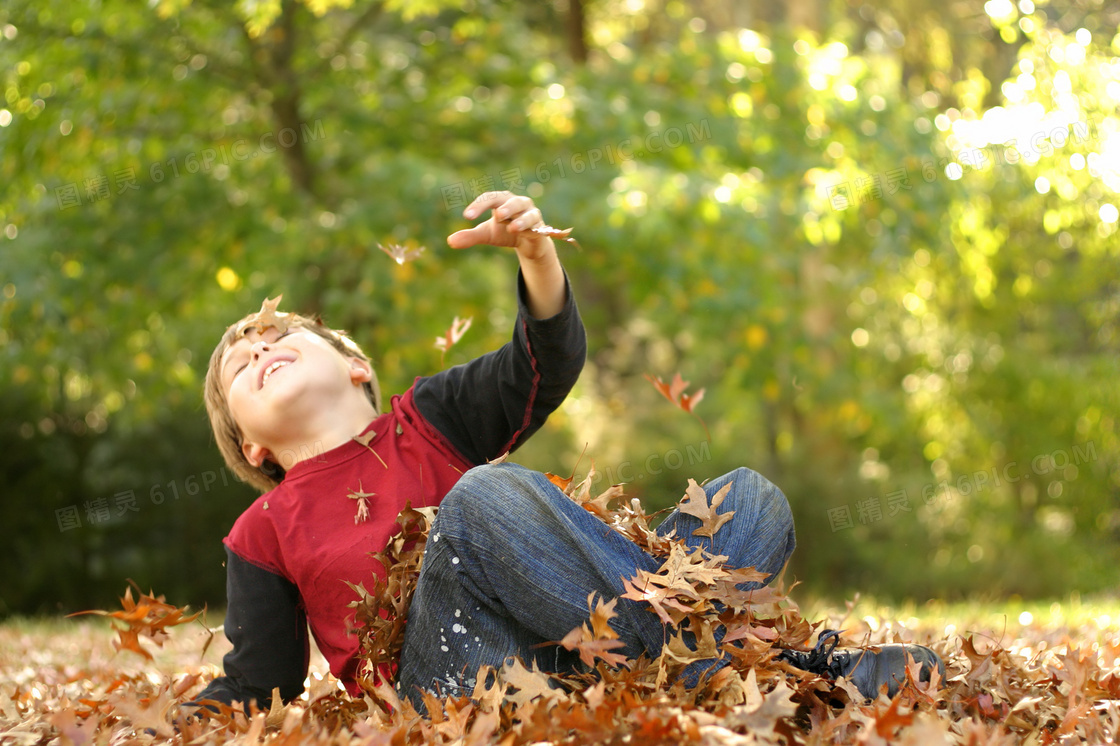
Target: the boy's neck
pixel 317 435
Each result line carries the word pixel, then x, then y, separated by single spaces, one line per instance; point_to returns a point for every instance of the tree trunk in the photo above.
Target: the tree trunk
pixel 271 59
pixel 577 31
pixel 804 14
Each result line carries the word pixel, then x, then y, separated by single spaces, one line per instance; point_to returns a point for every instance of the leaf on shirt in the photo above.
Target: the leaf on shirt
pixel 266 317
pixel 401 253
pixel 452 336
pixel 674 392
pixel 363 502
pixel 365 440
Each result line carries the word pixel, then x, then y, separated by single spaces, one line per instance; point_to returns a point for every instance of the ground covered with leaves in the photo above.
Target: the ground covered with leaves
pixel 1021 677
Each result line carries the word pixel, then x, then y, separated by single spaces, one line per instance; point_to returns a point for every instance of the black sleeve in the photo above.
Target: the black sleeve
pixel 268 629
pixel 492 404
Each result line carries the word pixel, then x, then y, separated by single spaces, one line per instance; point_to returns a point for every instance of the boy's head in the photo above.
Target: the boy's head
pixel 240 367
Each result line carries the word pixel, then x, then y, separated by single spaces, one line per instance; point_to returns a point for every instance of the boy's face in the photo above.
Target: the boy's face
pixel 277 381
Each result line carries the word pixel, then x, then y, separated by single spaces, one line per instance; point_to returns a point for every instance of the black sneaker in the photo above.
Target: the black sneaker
pixel 867 668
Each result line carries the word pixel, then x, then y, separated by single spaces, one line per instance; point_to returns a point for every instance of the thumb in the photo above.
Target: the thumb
pixel 464 239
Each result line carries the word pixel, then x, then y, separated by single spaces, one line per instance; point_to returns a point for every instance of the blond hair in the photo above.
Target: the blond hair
pixel 227 433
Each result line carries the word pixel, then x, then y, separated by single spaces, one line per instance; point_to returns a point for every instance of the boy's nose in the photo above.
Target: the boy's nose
pixel 259 348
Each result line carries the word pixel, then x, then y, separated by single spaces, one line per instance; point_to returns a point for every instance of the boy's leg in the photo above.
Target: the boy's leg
pixel 511 560
pixel 759 535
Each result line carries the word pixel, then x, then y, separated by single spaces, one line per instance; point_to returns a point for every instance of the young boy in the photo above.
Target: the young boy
pixel 289 399
pixel 510 561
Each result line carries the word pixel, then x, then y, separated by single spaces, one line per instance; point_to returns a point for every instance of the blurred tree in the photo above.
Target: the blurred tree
pixel 811 210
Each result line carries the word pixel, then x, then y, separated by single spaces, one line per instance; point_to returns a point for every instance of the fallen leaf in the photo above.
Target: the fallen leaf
pixel 695 503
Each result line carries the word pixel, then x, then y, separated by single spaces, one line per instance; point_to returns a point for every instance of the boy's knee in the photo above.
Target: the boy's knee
pixel 490 493
pixel 758 495
pixel 490 477
pixel 753 483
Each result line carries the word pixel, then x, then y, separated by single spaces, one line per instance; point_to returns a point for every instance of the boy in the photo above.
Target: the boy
pixel 510 561
pixel 289 399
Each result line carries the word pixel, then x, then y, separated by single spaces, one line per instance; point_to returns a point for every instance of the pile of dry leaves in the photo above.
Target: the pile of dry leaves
pixel 1050 689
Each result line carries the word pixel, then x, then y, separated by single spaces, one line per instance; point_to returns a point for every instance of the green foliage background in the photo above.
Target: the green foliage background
pixel 925 362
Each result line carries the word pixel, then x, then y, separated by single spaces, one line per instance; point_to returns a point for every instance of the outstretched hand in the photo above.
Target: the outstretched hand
pixel 510 224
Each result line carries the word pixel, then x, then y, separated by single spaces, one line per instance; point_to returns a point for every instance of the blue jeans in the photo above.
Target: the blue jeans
pixel 511 560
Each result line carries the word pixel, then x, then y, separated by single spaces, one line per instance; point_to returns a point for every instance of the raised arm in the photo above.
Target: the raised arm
pixel 492 404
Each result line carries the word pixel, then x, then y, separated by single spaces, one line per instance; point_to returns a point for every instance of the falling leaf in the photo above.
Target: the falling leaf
pixel 458 328
pixel 401 254
pixel 674 392
pixel 149 617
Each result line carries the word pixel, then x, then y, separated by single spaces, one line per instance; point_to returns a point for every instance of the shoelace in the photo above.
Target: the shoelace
pixel 817 660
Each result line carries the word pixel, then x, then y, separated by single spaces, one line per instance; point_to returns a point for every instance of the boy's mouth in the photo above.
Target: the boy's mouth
pixel 274 365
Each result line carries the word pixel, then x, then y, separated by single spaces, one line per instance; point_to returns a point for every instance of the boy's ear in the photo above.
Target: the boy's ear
pixel 255 454
pixel 360 371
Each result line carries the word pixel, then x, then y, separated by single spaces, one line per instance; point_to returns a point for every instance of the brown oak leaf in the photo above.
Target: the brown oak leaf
pixel 674 392
pixel 266 317
pixel 598 640
pixel 695 503
pixel 149 617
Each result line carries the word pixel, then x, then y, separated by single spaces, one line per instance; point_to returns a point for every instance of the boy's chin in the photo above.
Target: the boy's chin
pixel 297 401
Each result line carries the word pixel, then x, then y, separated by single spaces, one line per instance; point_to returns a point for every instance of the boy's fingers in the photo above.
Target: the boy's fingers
pixel 525 220
pixel 512 213
pixel 504 204
pixel 484 202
